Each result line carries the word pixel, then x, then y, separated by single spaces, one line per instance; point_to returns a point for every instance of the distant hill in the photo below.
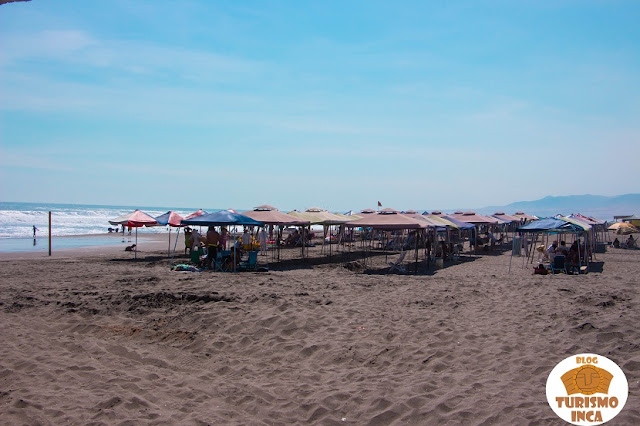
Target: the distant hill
pixel 599 206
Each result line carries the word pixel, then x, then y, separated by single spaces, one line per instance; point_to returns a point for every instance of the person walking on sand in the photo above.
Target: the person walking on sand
pixel 34 231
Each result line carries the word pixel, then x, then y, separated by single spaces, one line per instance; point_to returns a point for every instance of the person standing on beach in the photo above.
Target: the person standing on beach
pixel 551 250
pixel 213 244
pixel 34 231
pixel 224 235
pixel 246 240
pixel 263 241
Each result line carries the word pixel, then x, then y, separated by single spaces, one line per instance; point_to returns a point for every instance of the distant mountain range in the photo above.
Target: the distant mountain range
pixel 598 206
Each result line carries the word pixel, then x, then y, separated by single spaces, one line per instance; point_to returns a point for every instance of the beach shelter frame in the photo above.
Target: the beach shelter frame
pixel 269 215
pixel 173 220
pixel 136 219
pixel 318 216
pixel 223 218
pixel 551 226
pixel 391 220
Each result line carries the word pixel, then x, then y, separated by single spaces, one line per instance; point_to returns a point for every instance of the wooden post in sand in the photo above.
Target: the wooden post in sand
pixel 49 233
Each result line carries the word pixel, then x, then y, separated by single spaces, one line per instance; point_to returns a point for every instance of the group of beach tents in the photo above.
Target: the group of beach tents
pixel 385 219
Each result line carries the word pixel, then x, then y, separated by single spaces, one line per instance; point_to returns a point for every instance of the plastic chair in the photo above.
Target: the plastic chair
pixel 251 263
pixel 397 265
pixel 558 264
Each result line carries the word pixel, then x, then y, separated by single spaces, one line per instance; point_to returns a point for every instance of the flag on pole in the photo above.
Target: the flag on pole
pixel 379 204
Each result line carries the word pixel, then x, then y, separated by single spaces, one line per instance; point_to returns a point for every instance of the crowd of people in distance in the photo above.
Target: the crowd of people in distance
pixel 296 239
pixel 630 243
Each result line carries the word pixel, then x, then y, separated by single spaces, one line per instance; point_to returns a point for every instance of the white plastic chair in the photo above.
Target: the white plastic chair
pixel 397 265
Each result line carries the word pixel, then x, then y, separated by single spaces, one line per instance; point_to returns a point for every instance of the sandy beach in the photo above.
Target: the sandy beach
pixel 92 336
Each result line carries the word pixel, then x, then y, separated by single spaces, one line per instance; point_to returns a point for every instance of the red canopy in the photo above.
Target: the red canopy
pixel 170 218
pixel 196 214
pixel 134 220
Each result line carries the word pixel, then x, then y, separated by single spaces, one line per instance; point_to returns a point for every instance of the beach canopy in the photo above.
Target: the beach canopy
pixel 550 224
pixel 524 216
pixel 578 222
pixel 265 207
pixel 196 214
pixel 473 217
pixel 348 217
pixel 388 219
pixel 170 218
pixel 623 228
pixel 458 223
pixel 318 216
pixel 430 222
pixel 269 215
pixel 135 219
pixel 221 218
pixel 589 220
pixel 582 222
pixel 505 217
pixel 442 222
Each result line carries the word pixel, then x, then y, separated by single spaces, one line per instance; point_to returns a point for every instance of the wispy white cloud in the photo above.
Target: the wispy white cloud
pixel 79 48
pixel 50 44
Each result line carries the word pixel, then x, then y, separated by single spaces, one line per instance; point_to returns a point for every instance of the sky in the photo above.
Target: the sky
pixel 336 104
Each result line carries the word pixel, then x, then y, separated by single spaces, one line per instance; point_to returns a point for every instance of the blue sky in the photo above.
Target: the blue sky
pixel 337 104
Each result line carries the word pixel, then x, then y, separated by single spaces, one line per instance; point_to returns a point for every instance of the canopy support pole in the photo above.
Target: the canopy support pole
pixel 416 242
pixel 175 245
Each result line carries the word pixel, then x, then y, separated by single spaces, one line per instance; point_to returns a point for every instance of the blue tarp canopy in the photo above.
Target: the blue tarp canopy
pixel 222 218
pixel 550 224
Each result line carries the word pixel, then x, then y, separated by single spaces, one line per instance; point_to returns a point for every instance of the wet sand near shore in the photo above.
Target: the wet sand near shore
pixel 92 336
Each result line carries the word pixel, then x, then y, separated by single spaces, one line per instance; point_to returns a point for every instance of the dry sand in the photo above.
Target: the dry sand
pixel 93 337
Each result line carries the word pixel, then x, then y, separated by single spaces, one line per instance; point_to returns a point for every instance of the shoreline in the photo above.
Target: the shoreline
pixel 146 243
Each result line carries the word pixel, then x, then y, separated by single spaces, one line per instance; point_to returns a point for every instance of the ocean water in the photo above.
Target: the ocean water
pixel 17 221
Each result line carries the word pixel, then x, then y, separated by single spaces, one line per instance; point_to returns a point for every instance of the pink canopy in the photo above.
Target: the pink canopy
pixel 196 214
pixel 523 215
pixel 506 217
pixel 474 218
pixel 135 219
pixel 387 219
